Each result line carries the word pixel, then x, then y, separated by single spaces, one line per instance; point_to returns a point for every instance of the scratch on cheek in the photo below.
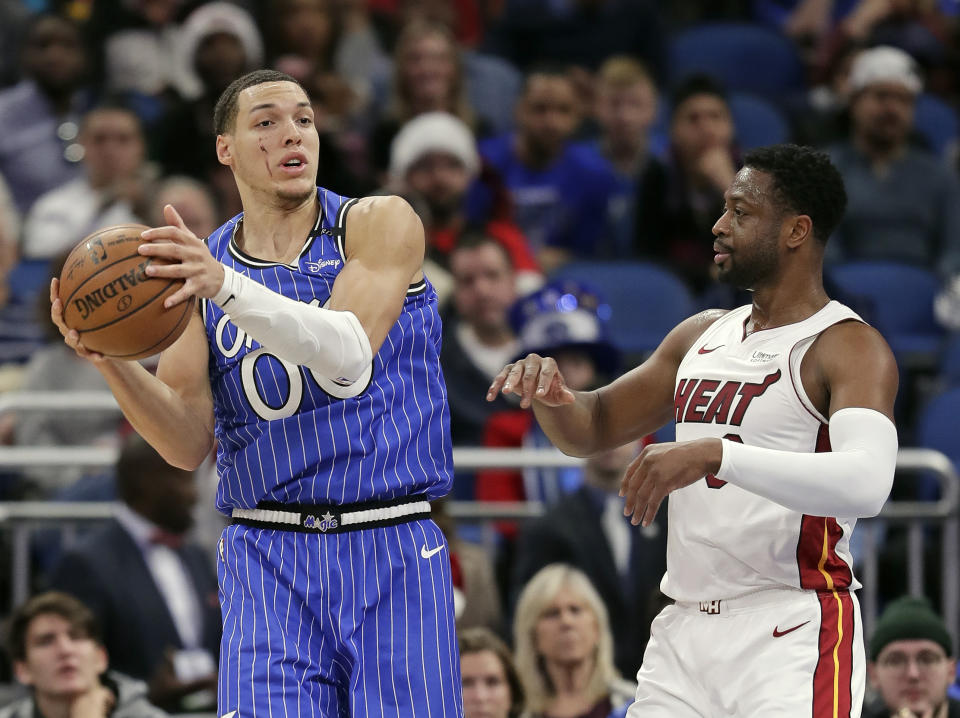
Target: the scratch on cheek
pixel 265 160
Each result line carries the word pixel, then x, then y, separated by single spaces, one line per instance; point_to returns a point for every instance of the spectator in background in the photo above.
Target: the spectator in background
pixel 587 529
pixel 477 338
pixel 41 115
pixel 491 685
pixel 679 198
pixel 57 651
pixel 911 663
pixel 561 191
pixel 434 164
pixel 903 203
pixel 427 77
pixel 113 190
pixel 564 320
pixel 220 42
pixel 140 40
pixel 492 83
pixel 161 622
pixel 190 198
pixel 625 108
pixel 564 648
pixel 579 32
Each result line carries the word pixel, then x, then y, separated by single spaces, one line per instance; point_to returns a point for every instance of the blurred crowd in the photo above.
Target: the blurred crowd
pixel 556 151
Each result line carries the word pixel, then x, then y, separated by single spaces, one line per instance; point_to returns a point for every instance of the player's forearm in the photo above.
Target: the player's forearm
pixel 332 343
pixel 572 427
pixel 852 481
pixel 161 416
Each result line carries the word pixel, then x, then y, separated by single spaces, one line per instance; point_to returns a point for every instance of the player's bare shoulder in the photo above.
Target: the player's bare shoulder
pixel 683 336
pixel 384 223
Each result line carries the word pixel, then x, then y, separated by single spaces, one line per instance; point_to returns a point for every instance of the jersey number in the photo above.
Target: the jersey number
pixel 712 481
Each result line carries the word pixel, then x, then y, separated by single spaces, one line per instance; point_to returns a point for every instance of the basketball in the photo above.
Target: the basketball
pixel 111 301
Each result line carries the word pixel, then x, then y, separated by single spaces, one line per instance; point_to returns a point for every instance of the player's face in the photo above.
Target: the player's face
pixel 548 113
pixel 567 631
pixel 747 235
pixel 913 674
pixel 483 286
pixel 60 661
pixel 274 146
pixel 486 691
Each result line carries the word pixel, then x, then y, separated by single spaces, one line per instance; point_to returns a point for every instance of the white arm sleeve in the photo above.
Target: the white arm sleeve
pixel 852 480
pixel 332 343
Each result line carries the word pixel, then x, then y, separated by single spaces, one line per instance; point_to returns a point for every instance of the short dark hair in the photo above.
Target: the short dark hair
pixel 805 181
pixel 697 84
pixel 545 68
pixel 475 640
pixel 475 237
pixel 71 609
pixel 225 112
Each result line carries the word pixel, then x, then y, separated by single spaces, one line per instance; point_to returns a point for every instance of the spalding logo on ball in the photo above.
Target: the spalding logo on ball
pixel 109 298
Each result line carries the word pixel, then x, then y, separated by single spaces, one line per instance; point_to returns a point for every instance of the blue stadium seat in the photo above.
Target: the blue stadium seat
pixel 745 57
pixel 950 361
pixel 937 425
pixel 29 277
pixel 646 300
pixel 898 301
pixel 757 121
pixel 937 122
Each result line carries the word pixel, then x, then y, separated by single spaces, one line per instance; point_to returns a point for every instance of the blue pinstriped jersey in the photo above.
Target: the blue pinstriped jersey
pixel 287 434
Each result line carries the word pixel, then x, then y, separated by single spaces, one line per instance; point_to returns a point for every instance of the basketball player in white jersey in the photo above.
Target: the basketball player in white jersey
pixel 784 438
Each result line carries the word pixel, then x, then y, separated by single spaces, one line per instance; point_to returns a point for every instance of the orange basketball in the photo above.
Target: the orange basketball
pixel 111 301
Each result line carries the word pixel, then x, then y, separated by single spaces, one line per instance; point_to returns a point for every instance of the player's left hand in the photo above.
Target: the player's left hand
pixel 662 468
pixel 192 261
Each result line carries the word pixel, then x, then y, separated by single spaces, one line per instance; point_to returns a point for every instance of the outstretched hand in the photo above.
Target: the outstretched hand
pixel 662 468
pixel 189 256
pixel 532 378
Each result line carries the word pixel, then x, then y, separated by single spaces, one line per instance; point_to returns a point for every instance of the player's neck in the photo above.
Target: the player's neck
pixel 276 233
pixel 785 303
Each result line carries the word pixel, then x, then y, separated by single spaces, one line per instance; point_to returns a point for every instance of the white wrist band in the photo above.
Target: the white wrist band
pixel 852 480
pixel 332 343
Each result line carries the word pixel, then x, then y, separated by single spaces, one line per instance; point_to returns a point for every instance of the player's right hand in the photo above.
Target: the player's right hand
pixel 70 336
pixel 533 378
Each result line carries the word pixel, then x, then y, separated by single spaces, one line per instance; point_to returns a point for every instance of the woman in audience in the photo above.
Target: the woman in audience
pixel 564 649
pixel 428 76
pixel 491 686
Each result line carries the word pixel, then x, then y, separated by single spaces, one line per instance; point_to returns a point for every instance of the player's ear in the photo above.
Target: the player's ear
pixel 224 150
pixel 801 229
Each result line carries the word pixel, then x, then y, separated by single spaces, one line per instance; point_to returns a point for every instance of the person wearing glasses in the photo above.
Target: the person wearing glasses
pixel 911 663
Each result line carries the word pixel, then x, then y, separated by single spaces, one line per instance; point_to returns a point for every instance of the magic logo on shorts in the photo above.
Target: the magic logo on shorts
pixel 325 523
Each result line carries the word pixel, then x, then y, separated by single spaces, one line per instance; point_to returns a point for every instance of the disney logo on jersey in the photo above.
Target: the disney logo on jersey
pixel 708 401
pixel 325 523
pixel 316 267
pixel 757 357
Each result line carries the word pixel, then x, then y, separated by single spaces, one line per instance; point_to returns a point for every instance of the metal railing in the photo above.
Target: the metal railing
pixel 21 518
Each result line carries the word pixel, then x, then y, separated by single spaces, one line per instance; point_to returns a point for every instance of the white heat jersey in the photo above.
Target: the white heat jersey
pixel 724 541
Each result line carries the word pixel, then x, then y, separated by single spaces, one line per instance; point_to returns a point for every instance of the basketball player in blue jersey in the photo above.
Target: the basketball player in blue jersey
pixel 312 363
